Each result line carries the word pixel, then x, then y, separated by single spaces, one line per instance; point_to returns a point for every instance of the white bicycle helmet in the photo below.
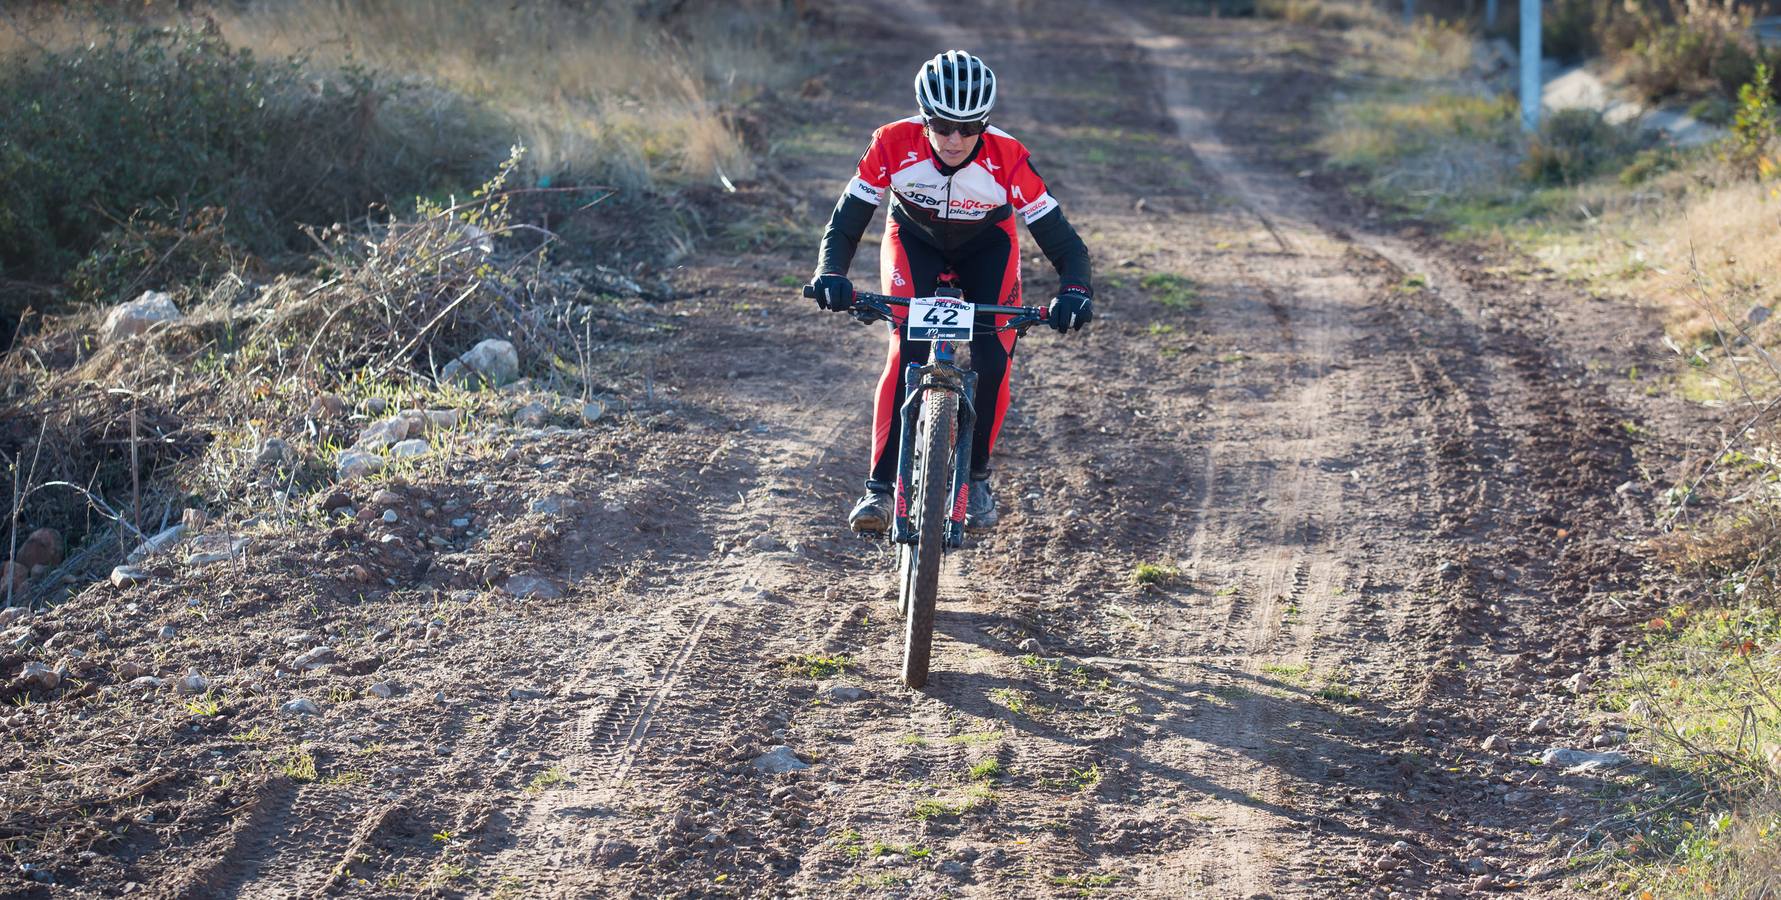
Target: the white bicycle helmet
pixel 955 85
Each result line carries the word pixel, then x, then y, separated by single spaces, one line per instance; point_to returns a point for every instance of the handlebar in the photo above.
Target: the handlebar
pixel 868 307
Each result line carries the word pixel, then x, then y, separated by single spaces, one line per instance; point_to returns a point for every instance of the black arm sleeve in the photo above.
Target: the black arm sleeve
pixel 1060 244
pixel 846 225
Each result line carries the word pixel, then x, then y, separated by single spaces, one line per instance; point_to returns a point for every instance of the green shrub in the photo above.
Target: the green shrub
pixel 1708 48
pixel 172 120
pixel 1574 145
pixel 1756 126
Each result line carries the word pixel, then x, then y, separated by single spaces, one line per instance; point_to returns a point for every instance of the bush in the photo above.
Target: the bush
pixel 1708 48
pixel 1574 145
pixel 171 120
pixel 1756 126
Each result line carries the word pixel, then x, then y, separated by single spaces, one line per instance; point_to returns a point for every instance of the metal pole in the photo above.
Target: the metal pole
pixel 1530 64
pixel 1490 13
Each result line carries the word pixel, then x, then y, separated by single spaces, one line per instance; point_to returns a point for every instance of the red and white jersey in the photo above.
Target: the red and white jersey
pixel 995 182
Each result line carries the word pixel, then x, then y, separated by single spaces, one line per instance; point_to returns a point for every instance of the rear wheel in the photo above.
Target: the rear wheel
pixel 921 584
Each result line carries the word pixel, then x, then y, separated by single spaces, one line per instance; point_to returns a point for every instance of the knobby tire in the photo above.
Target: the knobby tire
pixel 933 476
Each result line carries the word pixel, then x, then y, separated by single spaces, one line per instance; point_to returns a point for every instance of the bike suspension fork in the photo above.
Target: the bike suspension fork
pixel 961 463
pixel 902 530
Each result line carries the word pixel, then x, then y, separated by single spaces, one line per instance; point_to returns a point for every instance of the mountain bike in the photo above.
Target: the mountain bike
pixel 934 458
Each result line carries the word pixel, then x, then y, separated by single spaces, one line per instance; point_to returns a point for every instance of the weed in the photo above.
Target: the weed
pixel 253 735
pixel 912 740
pixel 987 770
pixel 207 705
pixel 973 738
pixel 1017 702
pixel 1338 692
pixel 818 666
pixel 1086 778
pixel 1086 883
pixel 549 778
pixel 974 797
pixel 299 764
pixel 1154 573
pixel 1171 290
pixel 1288 671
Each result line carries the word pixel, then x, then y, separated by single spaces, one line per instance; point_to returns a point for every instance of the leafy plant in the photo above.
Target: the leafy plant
pixel 1756 126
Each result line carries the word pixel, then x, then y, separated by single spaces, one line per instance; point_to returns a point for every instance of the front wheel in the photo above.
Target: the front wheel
pixel 921 583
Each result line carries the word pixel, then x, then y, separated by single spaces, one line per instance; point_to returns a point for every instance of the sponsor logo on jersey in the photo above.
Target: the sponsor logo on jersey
pixel 897 277
pixel 990 164
pixel 911 159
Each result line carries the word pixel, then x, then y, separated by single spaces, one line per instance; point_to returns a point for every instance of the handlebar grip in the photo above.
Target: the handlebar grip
pixel 810 292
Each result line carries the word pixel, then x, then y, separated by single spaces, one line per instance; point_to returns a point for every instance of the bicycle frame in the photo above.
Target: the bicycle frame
pixel 940 373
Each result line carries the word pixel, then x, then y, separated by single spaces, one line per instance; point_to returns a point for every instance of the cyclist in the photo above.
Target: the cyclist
pixel 956 185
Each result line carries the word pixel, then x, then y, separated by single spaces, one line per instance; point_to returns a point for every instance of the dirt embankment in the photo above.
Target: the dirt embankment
pixel 1378 476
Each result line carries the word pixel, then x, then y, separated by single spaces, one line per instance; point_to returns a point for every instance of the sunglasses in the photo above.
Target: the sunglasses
pixel 947 127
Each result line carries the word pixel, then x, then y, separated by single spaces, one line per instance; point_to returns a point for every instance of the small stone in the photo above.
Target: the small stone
pixel 592 411
pixel 382 690
pixel 1569 758
pixel 1578 683
pixel 326 406
pixel 130 669
pixel 390 517
pixel 410 449
pixel 531 586
pixel 274 453
pixel 1757 315
pixel 1610 739
pixel 519 693
pixel 1031 645
pixel 333 500
pixel 779 760
pixel 167 633
pixel 532 415
pixel 460 523
pixel 953 869
pixel 765 542
pixel 375 406
pixel 36 673
pixel 128 576
pixel 1495 743
pixel 353 464
pixel 551 505
pixel 314 659
pixel 1540 725
pixel 301 706
pixel 1477 866
pixel 192 683
pixel 844 693
pixel 148 682
pixel 444 418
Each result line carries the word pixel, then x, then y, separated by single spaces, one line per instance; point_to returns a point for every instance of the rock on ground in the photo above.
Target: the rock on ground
pixel 135 317
pixel 43 548
pixel 778 761
pixel 358 464
pixel 492 361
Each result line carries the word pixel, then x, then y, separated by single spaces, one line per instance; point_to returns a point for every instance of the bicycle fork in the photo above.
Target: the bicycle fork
pixel 902 530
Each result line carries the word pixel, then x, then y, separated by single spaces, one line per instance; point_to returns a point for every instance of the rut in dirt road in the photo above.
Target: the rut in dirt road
pixel 1340 481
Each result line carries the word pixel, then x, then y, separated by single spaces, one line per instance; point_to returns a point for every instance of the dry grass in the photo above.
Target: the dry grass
pixel 612 92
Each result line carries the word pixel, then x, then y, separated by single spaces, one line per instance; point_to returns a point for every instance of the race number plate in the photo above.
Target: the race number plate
pixel 940 319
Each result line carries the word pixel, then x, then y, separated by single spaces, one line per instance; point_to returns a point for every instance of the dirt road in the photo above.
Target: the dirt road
pixel 1376 476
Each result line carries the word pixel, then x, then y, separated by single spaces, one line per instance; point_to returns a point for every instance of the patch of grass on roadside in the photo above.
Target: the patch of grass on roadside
pixel 973 738
pixel 1171 290
pixel 987 770
pixel 937 808
pixel 1154 573
pixel 1017 701
pixel 818 666
pixel 553 777
pixel 1293 672
pixel 298 764
pixel 1086 884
